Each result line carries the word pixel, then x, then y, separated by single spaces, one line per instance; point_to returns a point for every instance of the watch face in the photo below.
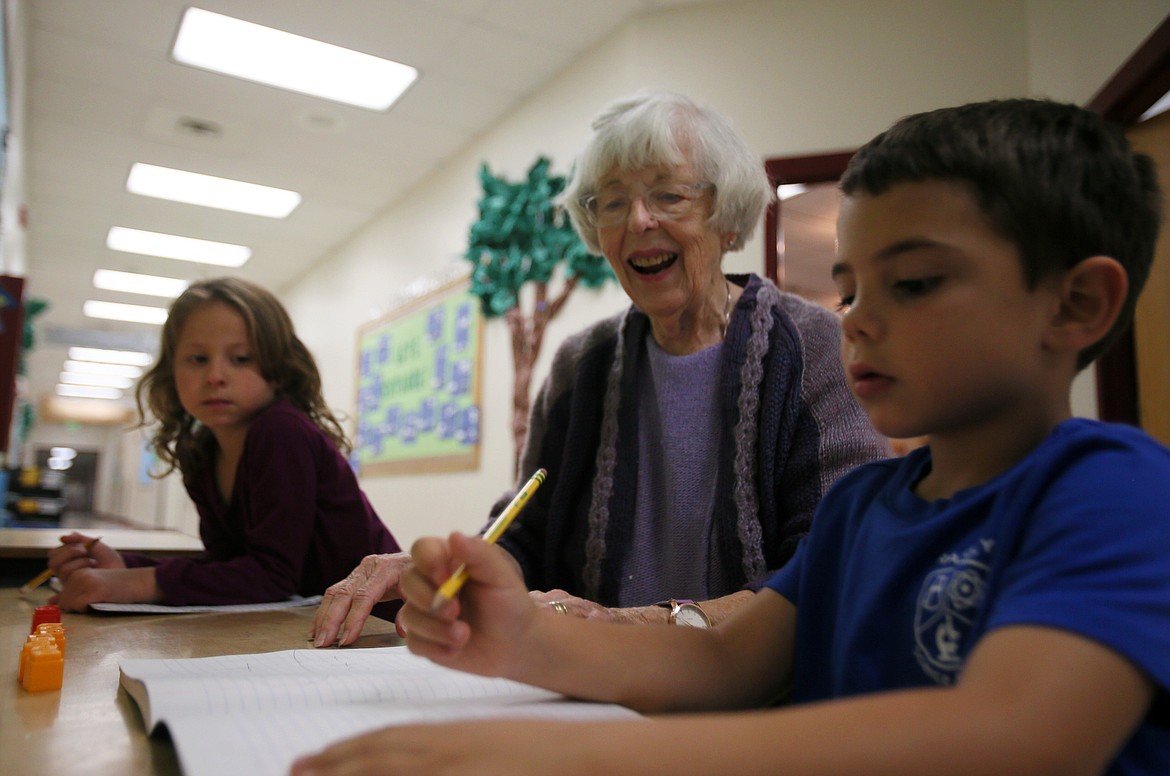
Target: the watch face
pixel 692 615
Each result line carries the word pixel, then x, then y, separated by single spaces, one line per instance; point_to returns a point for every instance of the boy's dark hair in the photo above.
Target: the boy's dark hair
pixel 1058 180
pixel 284 361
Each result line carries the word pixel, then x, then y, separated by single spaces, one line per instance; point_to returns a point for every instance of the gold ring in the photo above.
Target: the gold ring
pixel 559 607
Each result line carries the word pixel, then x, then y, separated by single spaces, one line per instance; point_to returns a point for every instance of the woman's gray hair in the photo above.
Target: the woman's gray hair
pixel 670 129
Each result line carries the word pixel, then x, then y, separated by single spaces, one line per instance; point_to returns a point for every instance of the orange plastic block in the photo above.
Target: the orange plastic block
pixel 26 650
pixel 56 631
pixel 44 667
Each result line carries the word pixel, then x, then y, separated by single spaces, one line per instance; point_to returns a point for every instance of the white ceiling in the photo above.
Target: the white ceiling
pixel 102 93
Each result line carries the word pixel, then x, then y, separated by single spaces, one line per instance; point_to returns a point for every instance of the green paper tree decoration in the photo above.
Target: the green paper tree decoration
pixel 522 238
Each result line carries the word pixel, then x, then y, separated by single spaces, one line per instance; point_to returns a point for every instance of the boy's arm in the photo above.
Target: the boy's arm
pixel 1032 701
pixel 494 628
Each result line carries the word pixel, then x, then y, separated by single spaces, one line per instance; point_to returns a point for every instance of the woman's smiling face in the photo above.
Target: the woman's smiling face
pixel 666 266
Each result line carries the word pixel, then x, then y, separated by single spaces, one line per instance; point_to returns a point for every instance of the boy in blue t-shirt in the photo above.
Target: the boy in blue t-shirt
pixel 995 603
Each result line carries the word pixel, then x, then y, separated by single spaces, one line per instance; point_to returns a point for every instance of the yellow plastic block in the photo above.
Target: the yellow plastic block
pixel 56 631
pixel 45 667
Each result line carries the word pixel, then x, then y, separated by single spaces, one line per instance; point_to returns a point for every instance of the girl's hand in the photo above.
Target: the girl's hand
pixel 83 587
pixel 78 551
pixel 121 585
pixel 482 629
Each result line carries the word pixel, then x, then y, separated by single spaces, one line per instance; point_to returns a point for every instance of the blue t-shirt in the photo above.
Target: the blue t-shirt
pixel 893 592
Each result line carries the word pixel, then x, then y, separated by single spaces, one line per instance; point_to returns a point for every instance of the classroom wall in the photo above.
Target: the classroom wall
pixel 12 242
pixel 799 77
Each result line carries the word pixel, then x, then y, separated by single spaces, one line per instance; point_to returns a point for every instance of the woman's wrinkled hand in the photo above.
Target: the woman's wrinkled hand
pixel 347 604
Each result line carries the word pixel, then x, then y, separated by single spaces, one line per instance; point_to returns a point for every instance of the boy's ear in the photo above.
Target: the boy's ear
pixel 1092 294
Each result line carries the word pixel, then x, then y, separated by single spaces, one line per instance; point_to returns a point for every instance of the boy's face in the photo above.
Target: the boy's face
pixel 941 334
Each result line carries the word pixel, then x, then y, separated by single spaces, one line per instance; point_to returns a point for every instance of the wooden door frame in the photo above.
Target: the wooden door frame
pixel 821 168
pixel 1138 84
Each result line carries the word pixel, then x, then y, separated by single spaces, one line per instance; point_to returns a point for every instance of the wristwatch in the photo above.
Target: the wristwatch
pixel 685 612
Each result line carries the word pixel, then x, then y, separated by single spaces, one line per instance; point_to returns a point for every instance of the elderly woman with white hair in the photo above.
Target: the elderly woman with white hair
pixel 689 438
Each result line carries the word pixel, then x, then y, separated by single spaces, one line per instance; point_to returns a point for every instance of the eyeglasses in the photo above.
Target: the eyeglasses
pixel 664 202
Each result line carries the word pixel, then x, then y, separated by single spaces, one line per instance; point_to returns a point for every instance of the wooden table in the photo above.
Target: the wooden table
pixel 36 542
pixel 91 726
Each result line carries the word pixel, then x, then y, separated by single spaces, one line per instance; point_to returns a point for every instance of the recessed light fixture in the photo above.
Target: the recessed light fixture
pixel 257 53
pixel 135 357
pixel 88 392
pixel 195 188
pixel 95 368
pixel 134 283
pixel 102 381
pixel 172 246
pixel 116 311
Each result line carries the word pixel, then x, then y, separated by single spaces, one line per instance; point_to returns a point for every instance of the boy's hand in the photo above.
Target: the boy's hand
pixel 481 629
pixel 501 747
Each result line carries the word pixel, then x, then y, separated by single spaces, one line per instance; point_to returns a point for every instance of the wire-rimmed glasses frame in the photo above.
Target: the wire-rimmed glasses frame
pixel 669 201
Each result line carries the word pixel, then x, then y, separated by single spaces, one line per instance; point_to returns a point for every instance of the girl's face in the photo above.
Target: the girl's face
pixel 216 375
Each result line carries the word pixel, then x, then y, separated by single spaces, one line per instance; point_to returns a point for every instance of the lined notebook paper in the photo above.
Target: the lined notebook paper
pixel 257 713
pixel 292 603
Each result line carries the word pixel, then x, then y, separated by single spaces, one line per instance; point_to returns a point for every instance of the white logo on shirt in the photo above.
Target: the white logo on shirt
pixel 947 604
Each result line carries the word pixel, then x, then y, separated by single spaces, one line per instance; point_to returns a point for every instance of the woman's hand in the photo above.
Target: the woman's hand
pixel 347 604
pixel 78 551
pixel 588 610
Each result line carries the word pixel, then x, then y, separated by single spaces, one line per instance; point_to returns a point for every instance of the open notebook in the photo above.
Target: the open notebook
pixel 257 713
pixel 292 603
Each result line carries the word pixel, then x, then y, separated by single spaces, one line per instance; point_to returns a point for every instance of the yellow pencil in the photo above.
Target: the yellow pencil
pixel 44 576
pixel 450 588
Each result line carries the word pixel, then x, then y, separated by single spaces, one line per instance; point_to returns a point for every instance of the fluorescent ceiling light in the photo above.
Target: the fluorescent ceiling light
pixel 1161 106
pixel 103 381
pixel 209 191
pixel 88 392
pixel 171 246
pixel 134 283
pixel 94 368
pixel 116 311
pixel 251 51
pixel 135 357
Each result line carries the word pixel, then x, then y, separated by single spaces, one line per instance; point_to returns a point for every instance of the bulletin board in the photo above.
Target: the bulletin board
pixel 418 386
